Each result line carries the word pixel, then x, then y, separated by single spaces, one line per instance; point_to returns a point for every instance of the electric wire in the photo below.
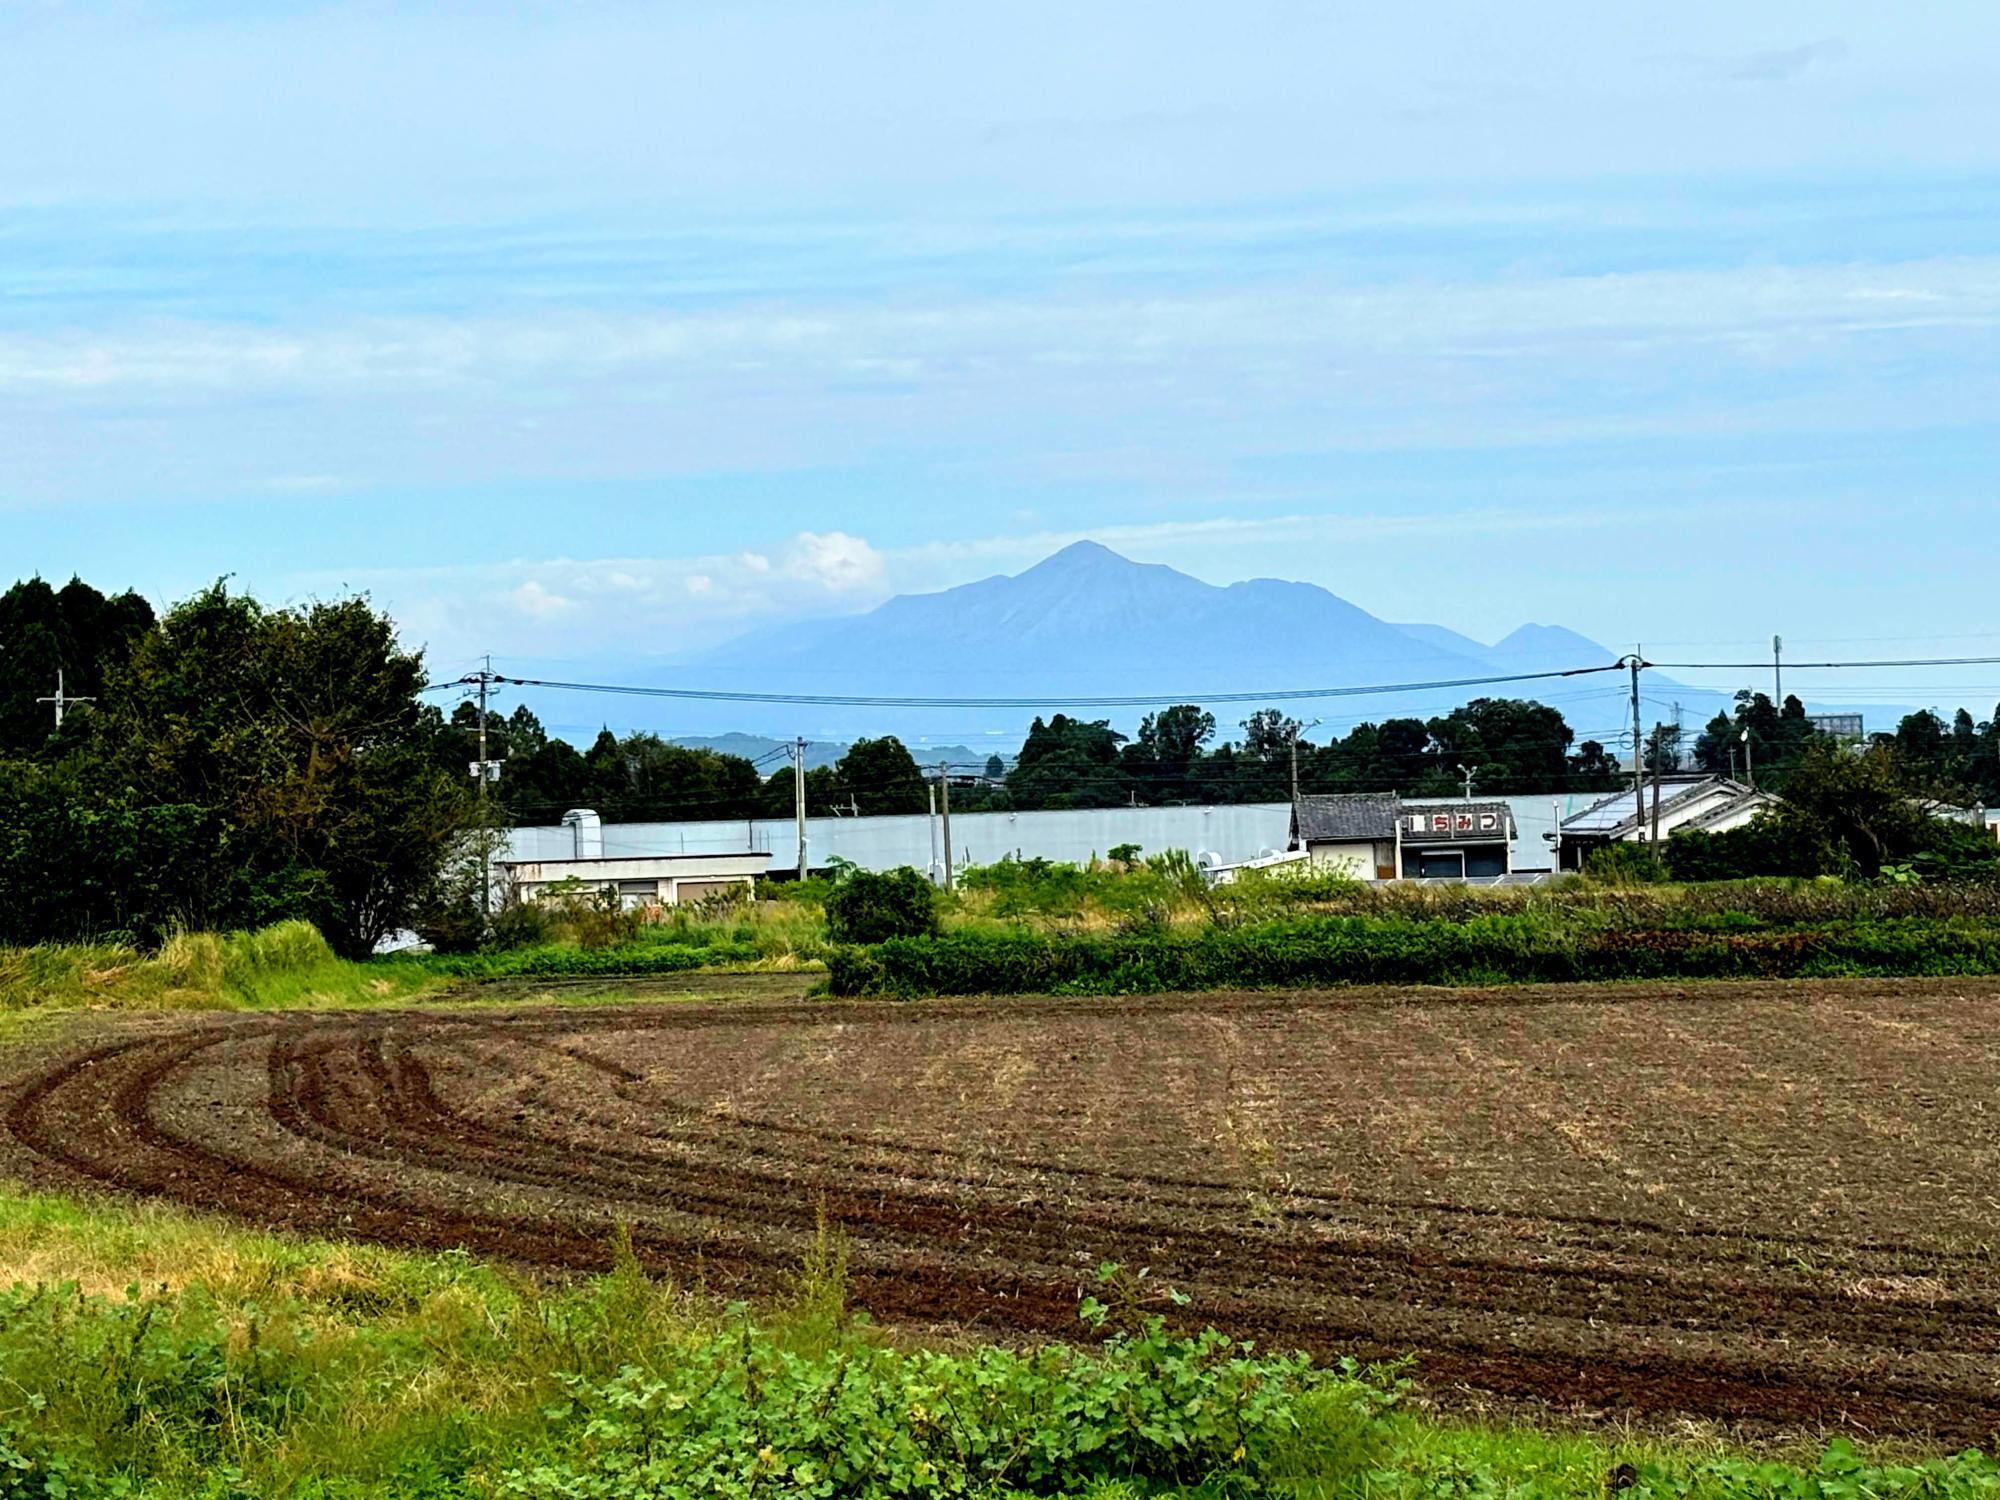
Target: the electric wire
pixel 1137 700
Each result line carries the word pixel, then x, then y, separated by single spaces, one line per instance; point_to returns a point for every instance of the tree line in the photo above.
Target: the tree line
pixel 228 764
pixel 239 765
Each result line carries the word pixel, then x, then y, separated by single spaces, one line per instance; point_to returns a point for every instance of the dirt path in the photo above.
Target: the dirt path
pixel 1767 1203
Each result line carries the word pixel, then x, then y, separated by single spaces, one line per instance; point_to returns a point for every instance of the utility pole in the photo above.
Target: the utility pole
pixel 486 832
pixel 1658 756
pixel 1638 747
pixel 944 803
pixel 1468 772
pixel 799 798
pixel 1778 673
pixel 931 823
pixel 62 700
pixel 1749 770
pixel 1295 758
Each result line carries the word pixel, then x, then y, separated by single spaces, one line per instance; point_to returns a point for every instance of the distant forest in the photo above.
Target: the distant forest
pixel 1179 755
pixel 1511 747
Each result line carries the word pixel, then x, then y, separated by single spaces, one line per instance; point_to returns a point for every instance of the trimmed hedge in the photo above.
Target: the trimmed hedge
pixel 556 961
pixel 1370 950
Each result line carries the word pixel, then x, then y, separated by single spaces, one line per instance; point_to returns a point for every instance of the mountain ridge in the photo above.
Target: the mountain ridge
pixel 1087 622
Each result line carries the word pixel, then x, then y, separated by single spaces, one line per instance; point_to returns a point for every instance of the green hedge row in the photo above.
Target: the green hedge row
pixel 556 961
pixel 1368 950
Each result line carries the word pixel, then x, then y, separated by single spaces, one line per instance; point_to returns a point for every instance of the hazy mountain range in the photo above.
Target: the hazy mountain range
pixel 1087 622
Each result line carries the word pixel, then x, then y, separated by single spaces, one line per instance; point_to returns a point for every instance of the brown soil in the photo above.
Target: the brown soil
pixel 1765 1203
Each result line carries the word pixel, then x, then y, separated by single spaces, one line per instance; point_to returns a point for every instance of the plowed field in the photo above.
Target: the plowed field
pixel 1766 1203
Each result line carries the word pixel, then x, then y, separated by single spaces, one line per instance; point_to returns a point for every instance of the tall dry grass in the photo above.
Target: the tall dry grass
pixel 287 964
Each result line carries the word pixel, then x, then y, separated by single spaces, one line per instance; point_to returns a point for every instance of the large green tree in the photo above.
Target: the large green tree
pixel 881 776
pixel 299 735
pixel 1069 762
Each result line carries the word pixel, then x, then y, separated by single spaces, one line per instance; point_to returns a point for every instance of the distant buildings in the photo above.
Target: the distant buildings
pixel 1378 836
pixel 1710 803
pixel 640 875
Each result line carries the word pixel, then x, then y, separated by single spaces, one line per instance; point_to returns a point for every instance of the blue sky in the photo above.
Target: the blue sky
pixel 591 333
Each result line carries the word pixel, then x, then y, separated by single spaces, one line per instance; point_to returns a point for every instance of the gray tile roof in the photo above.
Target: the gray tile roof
pixel 1362 815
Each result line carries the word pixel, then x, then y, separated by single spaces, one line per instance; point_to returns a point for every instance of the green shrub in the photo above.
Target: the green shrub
pixel 1492 949
pixel 745 1417
pixel 1626 864
pixel 868 907
pixel 1764 846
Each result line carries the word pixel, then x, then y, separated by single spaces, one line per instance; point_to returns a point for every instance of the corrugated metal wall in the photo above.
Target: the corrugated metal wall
pixel 1071 837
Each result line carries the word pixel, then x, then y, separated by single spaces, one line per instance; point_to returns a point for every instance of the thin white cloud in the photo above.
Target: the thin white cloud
pixel 973 342
pixel 1777 64
pixel 658 606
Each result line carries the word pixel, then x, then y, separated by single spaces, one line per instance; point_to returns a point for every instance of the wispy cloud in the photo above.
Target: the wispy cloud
pixel 1780 63
pixel 944 344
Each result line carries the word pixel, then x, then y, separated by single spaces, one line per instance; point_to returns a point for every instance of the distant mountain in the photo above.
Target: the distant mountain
pixel 1087 622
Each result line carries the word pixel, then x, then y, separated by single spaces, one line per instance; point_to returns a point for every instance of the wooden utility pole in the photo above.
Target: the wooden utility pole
pixel 944 808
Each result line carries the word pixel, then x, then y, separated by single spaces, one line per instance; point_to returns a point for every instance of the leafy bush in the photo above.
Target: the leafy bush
pixel 1626 864
pixel 868 907
pixel 742 1417
pixel 1762 847
pixel 1488 949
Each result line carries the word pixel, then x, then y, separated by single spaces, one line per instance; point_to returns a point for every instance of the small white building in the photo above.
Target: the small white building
pixel 1378 836
pixel 1709 804
pixel 639 879
pixel 1353 835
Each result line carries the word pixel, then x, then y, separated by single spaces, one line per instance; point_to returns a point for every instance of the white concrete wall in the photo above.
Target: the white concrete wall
pixel 1231 834
pixel 1068 837
pixel 1355 860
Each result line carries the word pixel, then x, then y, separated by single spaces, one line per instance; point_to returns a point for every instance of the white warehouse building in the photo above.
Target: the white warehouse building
pixel 683 857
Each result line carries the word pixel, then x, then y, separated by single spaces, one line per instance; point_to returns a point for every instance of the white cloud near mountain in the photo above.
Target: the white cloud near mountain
pixel 658 606
pixel 665 607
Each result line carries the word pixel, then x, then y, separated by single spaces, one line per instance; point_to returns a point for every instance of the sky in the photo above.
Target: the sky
pixel 590 333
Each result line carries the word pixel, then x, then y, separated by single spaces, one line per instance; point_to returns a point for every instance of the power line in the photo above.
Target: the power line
pixel 1843 666
pixel 1147 700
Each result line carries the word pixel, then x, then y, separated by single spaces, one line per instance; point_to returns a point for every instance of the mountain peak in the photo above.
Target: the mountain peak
pixel 1080 557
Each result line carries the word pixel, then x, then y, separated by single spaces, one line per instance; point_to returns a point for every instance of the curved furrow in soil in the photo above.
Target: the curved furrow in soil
pixel 1590 1231
pixel 936 1244
pixel 1295 1275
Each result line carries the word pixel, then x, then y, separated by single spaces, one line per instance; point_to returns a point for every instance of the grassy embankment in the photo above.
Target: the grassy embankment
pixel 281 967
pixel 1031 928
pixel 149 1352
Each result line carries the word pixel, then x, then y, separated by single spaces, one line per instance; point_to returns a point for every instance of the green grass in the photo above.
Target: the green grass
pixel 286 966
pixel 145 1351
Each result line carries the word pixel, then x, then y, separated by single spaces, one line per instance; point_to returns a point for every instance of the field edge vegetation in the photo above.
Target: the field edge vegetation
pixel 149 1351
